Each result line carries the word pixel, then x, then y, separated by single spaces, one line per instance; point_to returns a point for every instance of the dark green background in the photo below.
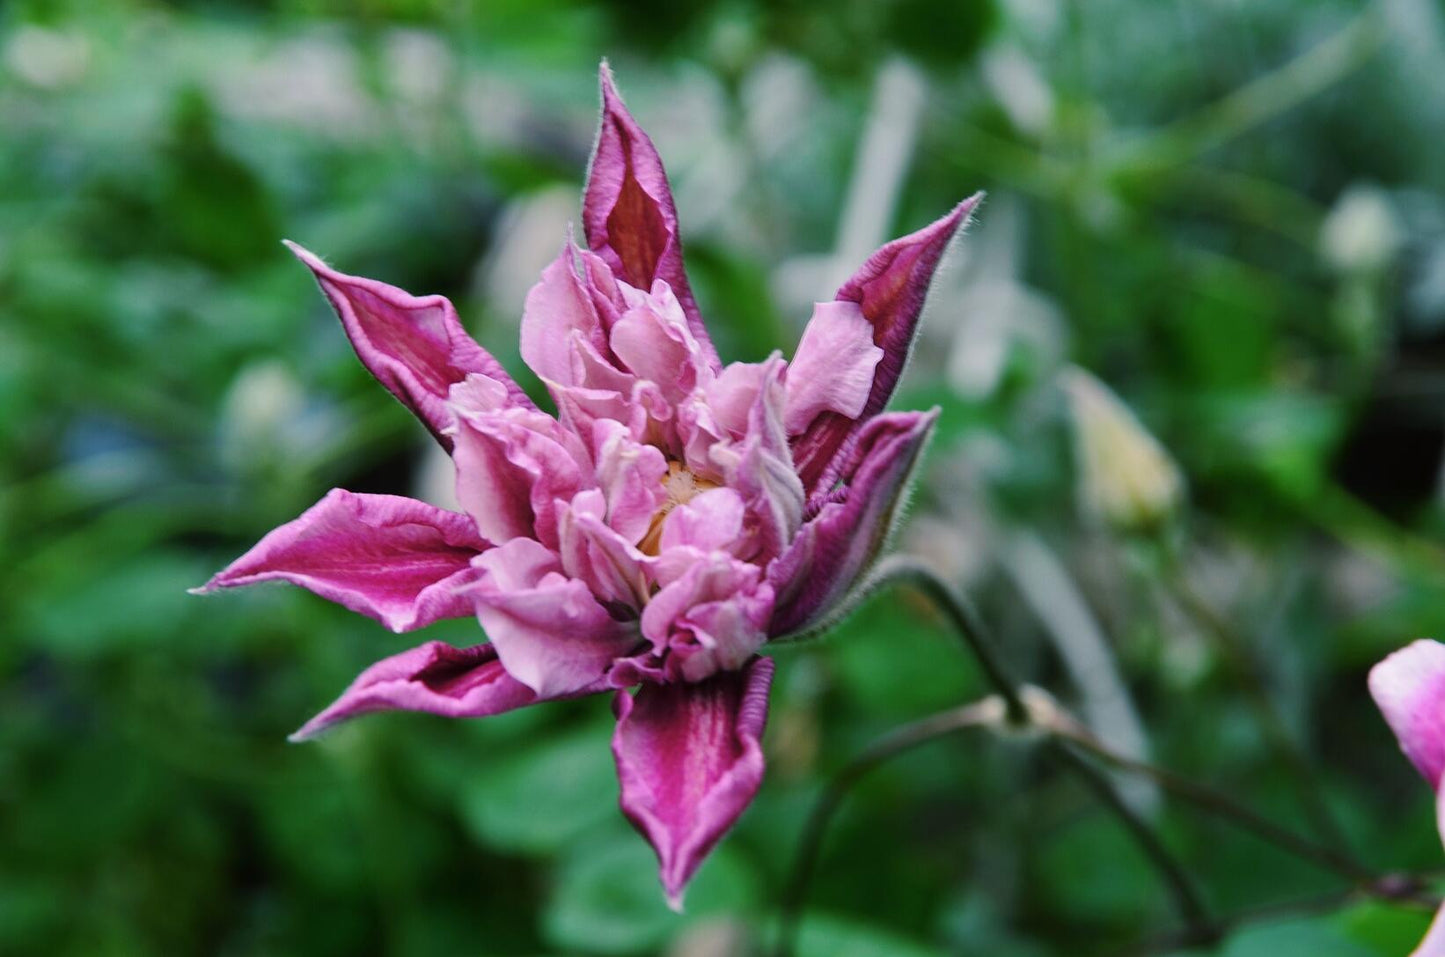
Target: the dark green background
pixel 1171 192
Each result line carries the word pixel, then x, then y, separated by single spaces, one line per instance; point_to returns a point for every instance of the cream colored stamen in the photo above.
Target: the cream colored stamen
pixel 681 487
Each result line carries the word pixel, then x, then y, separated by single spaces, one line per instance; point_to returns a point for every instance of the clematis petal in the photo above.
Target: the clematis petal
pixel 689 760
pixel 710 615
pixel 513 468
pixel 653 342
pixel 890 289
pixel 392 558
pixel 1409 688
pixel 732 395
pixel 548 629
pixel 628 213
pixel 434 677
pixel 832 371
pixel 630 474
pixel 558 308
pixel 1434 943
pixel 760 468
pixel 713 521
pixel 594 552
pixel 415 346
pixel 838 545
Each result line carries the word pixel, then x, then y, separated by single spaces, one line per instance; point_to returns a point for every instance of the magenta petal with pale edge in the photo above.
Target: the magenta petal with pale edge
pixel 832 550
pixel 395 559
pixel 627 210
pixel 1434 943
pixel 434 677
pixel 690 761
pixel 890 288
pixel 414 345
pixel 1409 687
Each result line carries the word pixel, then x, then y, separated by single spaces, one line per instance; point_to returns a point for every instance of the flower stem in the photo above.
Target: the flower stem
pixel 1222 806
pixel 1007 709
pixel 896 742
pixel 905 570
pixel 1181 886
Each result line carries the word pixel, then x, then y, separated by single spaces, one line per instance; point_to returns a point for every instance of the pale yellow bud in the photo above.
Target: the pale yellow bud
pixel 263 403
pixel 1125 476
pixel 1362 232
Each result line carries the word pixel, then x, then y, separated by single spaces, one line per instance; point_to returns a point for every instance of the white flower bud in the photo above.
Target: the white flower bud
pixel 263 403
pixel 1126 476
pixel 1362 233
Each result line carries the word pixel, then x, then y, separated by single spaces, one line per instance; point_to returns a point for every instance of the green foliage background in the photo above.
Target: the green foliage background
pixel 1230 212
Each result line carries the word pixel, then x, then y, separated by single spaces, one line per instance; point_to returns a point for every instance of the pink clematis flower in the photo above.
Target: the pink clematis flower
pixel 672 518
pixel 1409 687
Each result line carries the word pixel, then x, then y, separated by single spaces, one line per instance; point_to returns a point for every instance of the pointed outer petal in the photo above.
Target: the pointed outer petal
pixel 394 559
pixel 890 288
pixel 837 546
pixel 689 760
pixel 1409 688
pixel 760 468
pixel 713 521
pixel 513 469
pixel 558 308
pixel 710 616
pixel 630 475
pixel 628 214
pixel 434 677
pixel 548 629
pixel 415 346
pixel 611 566
pixel 652 341
pixel 832 371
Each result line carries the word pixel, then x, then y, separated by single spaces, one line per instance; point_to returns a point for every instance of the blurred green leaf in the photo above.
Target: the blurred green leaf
pixel 828 936
pixel 544 795
pixel 607 898
pixel 1300 937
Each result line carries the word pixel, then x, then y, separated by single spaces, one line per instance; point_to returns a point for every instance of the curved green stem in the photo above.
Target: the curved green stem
pixel 897 742
pixel 1007 709
pixel 970 629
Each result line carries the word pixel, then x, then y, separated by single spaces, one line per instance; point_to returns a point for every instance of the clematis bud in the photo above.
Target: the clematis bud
pixel 1362 232
pixel 1126 477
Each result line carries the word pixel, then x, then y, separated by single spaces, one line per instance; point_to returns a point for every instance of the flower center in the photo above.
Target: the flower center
pixel 681 487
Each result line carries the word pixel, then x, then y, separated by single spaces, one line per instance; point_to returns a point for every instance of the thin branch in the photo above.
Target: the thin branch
pixel 909 571
pixel 1009 709
pixel 1223 806
pixel 1181 886
pixel 1246 671
pixel 1066 738
pixel 990 711
pixel 971 630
